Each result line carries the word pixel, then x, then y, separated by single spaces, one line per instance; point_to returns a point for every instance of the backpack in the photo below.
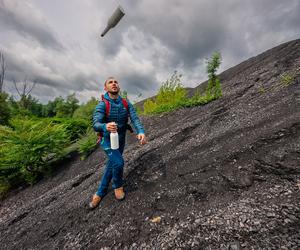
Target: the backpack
pixel 107 109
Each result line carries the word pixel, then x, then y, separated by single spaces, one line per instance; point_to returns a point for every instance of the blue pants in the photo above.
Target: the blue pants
pixel 113 170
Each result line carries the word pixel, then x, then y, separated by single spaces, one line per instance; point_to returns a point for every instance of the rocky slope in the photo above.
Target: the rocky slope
pixel 221 176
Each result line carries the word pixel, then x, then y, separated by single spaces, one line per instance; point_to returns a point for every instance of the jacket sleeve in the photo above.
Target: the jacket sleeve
pixel 135 120
pixel 99 118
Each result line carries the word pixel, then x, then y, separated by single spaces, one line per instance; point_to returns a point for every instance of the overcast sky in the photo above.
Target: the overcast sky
pixel 57 43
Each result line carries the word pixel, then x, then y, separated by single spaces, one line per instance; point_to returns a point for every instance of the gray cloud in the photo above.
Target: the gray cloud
pixel 25 21
pixel 189 31
pixel 19 69
pixel 151 41
pixel 192 30
pixel 137 83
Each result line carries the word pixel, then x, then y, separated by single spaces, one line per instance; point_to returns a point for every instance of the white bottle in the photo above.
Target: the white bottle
pixel 114 140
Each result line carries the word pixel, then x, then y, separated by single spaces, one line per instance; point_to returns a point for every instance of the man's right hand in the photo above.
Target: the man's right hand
pixel 111 127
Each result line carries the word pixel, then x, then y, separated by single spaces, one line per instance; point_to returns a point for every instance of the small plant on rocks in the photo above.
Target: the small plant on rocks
pixel 288 78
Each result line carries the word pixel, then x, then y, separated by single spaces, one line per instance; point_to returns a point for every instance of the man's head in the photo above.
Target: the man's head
pixel 111 85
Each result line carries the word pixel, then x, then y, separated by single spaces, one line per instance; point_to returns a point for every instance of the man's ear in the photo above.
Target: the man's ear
pixel 105 88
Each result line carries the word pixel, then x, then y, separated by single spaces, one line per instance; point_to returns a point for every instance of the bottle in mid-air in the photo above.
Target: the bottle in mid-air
pixel 114 19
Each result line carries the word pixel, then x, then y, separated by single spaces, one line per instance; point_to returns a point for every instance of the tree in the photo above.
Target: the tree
pixel 2 71
pixel 123 94
pixel 4 109
pixel 49 109
pixel 60 107
pixel 214 86
pixel 25 93
pixel 34 106
pixel 85 111
pixel 66 108
pixel 72 103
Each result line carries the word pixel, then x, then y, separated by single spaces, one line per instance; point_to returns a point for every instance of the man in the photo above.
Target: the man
pixel 115 121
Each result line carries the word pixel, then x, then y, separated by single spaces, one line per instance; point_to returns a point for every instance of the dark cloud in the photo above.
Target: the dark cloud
pixel 84 82
pixel 192 30
pixel 136 83
pixel 151 41
pixel 18 69
pixel 189 31
pixel 275 17
pixel 26 25
pixel 110 44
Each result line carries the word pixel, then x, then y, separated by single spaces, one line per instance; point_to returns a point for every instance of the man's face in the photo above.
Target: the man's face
pixel 112 86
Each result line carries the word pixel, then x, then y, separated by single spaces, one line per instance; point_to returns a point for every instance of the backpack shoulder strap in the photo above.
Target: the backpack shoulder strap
pixel 107 105
pixel 125 103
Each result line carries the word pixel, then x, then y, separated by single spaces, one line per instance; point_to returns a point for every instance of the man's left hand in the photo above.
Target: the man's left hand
pixel 142 139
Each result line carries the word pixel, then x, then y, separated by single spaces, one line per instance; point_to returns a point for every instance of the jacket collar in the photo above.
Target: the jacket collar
pixel 106 96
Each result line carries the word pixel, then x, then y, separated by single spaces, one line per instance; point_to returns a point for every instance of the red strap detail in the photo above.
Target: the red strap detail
pixel 99 138
pixel 107 106
pixel 125 103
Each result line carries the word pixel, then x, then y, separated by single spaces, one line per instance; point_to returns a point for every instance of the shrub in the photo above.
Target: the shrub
pixel 87 143
pixel 24 149
pixel 149 106
pixel 4 188
pixel 171 95
pixel 171 91
pixel 261 90
pixel 138 109
pixel 74 127
pixel 288 78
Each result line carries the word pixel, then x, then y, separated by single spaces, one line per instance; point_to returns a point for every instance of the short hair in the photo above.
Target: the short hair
pixel 111 77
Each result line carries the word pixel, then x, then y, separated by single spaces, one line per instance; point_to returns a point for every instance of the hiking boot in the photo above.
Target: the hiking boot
pixel 95 201
pixel 119 193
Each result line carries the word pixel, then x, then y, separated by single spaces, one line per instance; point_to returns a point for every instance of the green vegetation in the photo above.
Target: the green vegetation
pixel 284 80
pixel 123 94
pixel 172 95
pixel 214 87
pixel 66 108
pixel 261 90
pixel 74 126
pixel 25 148
pixel 4 109
pixel 33 136
pixel 85 111
pixel 288 78
pixel 87 143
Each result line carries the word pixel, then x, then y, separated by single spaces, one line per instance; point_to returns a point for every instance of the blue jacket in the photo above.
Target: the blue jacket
pixel 117 114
